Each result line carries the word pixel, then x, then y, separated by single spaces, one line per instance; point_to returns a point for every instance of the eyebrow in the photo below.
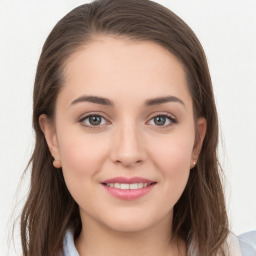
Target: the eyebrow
pixel 107 102
pixel 161 100
pixel 93 99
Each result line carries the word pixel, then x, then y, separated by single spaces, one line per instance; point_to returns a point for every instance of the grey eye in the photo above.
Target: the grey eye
pixel 94 120
pixel 160 120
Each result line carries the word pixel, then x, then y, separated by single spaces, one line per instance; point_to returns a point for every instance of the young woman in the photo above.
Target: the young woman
pixel 126 130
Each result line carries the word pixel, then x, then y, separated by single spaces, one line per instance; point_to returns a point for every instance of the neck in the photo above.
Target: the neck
pixel 96 239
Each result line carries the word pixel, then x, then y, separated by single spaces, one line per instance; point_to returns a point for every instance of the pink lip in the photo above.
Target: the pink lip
pixel 128 194
pixel 128 180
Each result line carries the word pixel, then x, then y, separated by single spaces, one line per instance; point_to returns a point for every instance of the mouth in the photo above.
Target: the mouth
pixel 128 188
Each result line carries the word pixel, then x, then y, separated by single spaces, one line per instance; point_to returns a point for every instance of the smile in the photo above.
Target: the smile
pixel 128 186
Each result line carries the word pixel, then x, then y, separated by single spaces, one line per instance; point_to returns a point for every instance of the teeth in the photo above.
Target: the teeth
pixel 127 186
pixel 134 186
pixel 116 185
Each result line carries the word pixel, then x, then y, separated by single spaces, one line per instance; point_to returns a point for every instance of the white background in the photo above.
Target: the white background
pixel 227 31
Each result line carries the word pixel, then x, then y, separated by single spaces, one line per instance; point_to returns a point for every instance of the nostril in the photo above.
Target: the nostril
pixel 128 161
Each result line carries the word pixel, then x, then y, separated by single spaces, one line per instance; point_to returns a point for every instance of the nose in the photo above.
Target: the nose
pixel 128 147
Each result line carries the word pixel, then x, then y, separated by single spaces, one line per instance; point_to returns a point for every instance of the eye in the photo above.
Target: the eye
pixel 162 120
pixel 93 120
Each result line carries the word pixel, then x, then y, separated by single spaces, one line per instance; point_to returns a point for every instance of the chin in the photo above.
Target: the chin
pixel 131 222
pixel 128 226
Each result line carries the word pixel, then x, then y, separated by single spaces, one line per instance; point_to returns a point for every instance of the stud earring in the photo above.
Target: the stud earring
pixel 56 163
pixel 194 163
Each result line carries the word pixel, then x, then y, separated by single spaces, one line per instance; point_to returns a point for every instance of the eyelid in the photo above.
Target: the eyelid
pixel 81 119
pixel 84 116
pixel 172 118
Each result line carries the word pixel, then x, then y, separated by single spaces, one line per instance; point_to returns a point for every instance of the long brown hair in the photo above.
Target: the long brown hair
pixel 200 215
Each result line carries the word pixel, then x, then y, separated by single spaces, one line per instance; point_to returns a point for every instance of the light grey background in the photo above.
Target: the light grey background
pixel 227 31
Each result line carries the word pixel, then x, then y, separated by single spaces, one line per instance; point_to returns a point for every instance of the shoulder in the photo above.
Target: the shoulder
pixel 69 248
pixel 247 243
pixel 243 245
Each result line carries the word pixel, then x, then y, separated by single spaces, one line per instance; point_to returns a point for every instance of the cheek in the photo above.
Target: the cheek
pixel 81 158
pixel 173 155
pixel 77 157
pixel 79 152
pixel 172 159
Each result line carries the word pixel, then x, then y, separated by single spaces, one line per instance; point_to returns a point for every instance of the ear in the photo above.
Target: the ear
pixel 201 127
pixel 49 132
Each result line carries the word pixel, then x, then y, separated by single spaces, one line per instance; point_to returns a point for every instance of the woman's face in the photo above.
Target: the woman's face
pixel 124 133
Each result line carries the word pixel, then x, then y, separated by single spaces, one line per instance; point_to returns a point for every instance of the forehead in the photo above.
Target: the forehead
pixel 123 68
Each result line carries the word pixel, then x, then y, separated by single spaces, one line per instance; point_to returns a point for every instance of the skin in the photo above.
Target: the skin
pixel 128 142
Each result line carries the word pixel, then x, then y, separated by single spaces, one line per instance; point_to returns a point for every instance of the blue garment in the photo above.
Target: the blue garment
pixel 69 248
pixel 247 243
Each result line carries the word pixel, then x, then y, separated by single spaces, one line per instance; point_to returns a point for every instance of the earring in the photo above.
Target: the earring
pixel 194 164
pixel 56 163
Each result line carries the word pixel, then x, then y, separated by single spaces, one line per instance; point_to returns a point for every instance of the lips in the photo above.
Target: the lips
pixel 128 188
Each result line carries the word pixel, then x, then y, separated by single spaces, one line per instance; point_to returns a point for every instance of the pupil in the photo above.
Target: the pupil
pixel 95 120
pixel 160 120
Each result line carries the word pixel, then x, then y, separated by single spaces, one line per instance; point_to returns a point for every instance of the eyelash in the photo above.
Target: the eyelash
pixel 171 119
pixel 83 119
